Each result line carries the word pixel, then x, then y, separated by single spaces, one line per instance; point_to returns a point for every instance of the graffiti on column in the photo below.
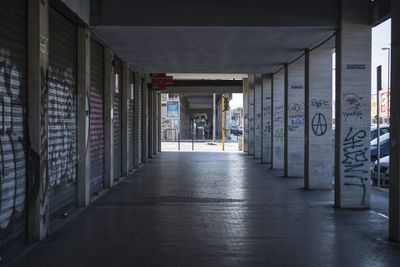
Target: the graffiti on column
pixel 278 124
pixel 296 116
pixel 12 145
pixel 258 126
pixel 355 160
pixel 62 127
pixel 353 103
pixel 319 124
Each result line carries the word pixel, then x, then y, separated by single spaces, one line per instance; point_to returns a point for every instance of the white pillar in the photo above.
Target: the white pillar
pixel 266 155
pixel 257 116
pixel 251 114
pixel 278 115
pixel 295 119
pixel 245 115
pixel 353 106
pixel 318 161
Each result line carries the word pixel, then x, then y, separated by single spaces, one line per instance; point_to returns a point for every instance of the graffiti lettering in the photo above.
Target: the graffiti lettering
pixel 355 160
pixel 279 135
pixel 319 103
pixel 352 106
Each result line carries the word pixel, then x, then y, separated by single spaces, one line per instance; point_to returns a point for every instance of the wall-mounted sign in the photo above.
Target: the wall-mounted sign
pixel 161 81
pixel 172 109
pixel 355 66
pixel 296 87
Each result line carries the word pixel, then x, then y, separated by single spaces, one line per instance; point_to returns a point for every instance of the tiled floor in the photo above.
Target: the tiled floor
pixel 216 209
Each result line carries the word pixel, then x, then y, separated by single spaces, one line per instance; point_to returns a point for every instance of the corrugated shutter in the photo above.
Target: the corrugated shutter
pixel 144 122
pixel 96 116
pixel 13 133
pixel 62 123
pixel 131 121
pixel 140 124
pixel 117 121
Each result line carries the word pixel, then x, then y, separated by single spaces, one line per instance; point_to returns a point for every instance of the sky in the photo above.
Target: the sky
pixel 381 36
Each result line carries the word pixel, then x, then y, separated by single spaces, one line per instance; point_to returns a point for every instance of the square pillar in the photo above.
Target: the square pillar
pixel 278 115
pixel 294 164
pixel 318 149
pixel 394 191
pixel 125 119
pixel 83 80
pixel 159 121
pixel 38 64
pixel 353 107
pixel 245 115
pixel 266 155
pixel 137 127
pixel 155 122
pixel 150 123
pixel 257 116
pixel 251 119
pixel 108 118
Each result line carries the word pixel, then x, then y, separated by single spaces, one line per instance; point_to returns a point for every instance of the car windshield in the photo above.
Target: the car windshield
pixel 383 138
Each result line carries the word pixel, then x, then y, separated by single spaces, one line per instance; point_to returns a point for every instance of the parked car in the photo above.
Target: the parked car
pixel 384 128
pixel 384 144
pixel 384 173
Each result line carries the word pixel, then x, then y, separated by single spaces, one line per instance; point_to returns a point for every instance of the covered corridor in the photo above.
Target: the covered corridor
pixel 216 209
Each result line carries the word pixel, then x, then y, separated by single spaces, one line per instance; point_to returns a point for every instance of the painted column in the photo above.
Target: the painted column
pixel 278 115
pixel 318 161
pixel 251 118
pixel 83 79
pixel 257 116
pixel 353 107
pixel 295 119
pixel 125 119
pixel 136 128
pixel 394 191
pixel 245 115
pixel 38 63
pixel 266 156
pixel 108 117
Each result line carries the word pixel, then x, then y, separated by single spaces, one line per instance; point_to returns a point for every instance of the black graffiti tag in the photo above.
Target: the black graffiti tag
pixel 319 125
pixel 355 160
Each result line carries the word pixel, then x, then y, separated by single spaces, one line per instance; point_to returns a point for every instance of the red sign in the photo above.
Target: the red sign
pixel 161 81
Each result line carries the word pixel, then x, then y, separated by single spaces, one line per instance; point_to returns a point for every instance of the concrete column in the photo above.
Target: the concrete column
pixel 251 118
pixel 108 118
pixel 394 191
pixel 136 128
pixel 83 79
pixel 145 121
pixel 353 107
pixel 318 149
pixel 159 121
pixel 245 115
pixel 266 155
pixel 125 119
pixel 278 115
pixel 155 122
pixel 257 116
pixel 150 123
pixel 38 63
pixel 295 119
pixel 214 116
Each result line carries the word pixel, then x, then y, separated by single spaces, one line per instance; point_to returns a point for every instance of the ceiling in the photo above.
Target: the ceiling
pixel 234 50
pixel 199 101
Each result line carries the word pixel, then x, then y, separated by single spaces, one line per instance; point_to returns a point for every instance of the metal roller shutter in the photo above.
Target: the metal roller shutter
pixel 131 121
pixel 13 130
pixel 117 126
pixel 62 125
pixel 144 122
pixel 140 124
pixel 96 116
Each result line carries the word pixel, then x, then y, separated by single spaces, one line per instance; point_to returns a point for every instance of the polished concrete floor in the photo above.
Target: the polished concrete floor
pixel 217 209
